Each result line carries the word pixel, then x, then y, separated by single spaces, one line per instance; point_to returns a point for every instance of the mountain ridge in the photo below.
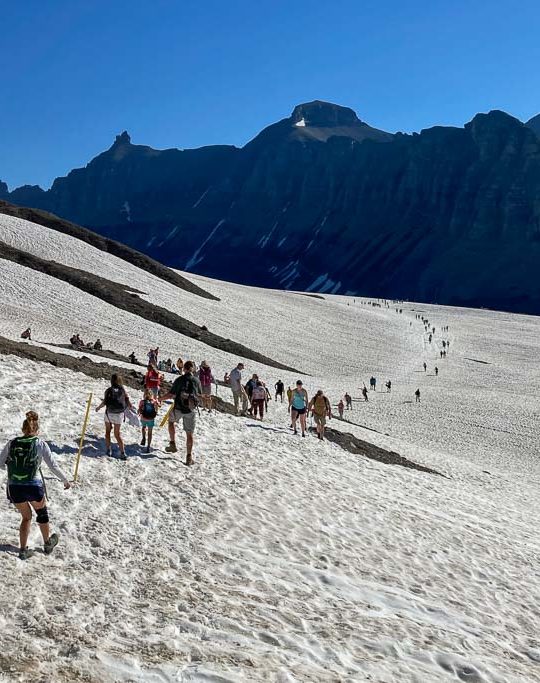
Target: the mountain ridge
pixel 321 201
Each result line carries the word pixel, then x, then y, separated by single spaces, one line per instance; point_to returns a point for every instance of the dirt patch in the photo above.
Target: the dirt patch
pixel 352 444
pixel 127 299
pixel 49 220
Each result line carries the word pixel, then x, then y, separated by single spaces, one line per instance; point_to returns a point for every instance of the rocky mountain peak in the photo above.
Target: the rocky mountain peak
pixel 122 139
pixel 323 114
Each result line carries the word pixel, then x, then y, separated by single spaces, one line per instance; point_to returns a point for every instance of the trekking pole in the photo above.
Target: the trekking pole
pixel 81 442
pixel 166 416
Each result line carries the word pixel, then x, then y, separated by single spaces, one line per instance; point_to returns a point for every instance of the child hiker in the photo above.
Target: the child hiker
pixel 148 408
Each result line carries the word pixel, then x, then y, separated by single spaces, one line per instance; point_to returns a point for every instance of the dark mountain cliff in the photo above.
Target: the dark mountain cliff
pixel 321 201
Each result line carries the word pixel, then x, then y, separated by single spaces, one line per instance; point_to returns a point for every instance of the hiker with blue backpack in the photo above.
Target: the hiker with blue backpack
pixel 148 409
pixel 25 488
pixel 186 392
pixel 116 402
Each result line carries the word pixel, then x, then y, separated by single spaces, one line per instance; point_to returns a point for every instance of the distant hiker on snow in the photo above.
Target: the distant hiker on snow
pixel 425 367
pixel 280 389
pixel 436 370
pixel 206 379
pixel 238 391
pixel 417 395
pixel 298 407
pixel 389 386
pixel 25 489
pixel 373 384
pixel 186 391
pixel 27 334
pixel 98 345
pixel 341 408
pixel 249 386
pixel 365 393
pixel 258 399
pixel 348 401
pixel 320 409
pixel 148 409
pixel 153 356
pixel 116 401
pixel 132 359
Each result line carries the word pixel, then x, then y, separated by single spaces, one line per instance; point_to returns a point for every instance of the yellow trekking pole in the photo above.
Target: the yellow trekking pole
pixel 81 442
pixel 166 416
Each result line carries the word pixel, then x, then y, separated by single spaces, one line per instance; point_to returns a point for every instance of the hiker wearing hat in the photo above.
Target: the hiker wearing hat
pixel 239 393
pixel 298 406
pixel 206 378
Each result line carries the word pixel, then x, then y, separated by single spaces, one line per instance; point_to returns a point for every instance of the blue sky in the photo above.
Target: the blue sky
pixel 184 73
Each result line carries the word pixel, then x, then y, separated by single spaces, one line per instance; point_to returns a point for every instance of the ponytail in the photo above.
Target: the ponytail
pixel 30 425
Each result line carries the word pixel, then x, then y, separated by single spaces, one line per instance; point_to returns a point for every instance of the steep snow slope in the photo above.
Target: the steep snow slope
pixel 279 558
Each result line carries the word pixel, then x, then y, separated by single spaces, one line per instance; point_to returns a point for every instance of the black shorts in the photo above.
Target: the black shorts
pixel 24 493
pixel 299 411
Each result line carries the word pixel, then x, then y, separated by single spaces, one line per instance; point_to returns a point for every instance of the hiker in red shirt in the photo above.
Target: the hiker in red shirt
pixel 152 380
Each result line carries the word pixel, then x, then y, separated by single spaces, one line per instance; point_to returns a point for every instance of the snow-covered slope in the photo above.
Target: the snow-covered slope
pixel 279 558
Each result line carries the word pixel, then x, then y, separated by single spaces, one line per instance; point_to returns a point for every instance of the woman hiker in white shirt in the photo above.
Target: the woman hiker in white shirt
pixel 25 489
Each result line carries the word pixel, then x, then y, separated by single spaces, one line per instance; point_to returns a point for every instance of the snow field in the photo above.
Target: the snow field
pixel 273 559
pixel 278 558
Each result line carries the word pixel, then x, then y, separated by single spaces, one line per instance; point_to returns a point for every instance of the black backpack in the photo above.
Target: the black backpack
pixel 115 400
pixel 148 410
pixel 23 461
pixel 186 399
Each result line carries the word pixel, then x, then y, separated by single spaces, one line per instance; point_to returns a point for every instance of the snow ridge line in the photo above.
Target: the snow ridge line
pixel 123 297
pixel 109 246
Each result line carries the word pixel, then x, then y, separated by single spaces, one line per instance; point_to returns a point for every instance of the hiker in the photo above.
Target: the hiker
pixel 289 395
pixel 341 408
pixel 280 389
pixel 365 393
pixel 258 399
pixel 442 352
pixel 444 344
pixel 148 409
pixel 206 379
pixel 97 345
pixel 425 367
pixel 388 386
pixel 152 380
pixel 298 406
pixel 116 401
pixel 430 339
pixel 436 371
pixel 417 394
pixel 320 409
pixel 153 356
pixel 249 386
pixel 25 489
pixel 239 393
pixel 185 391
pixel 27 334
pixel 373 384
pixel 226 378
pixel 348 401
pixel 132 359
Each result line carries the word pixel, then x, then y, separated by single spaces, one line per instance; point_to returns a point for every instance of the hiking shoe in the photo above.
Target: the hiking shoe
pixel 295 432
pixel 123 456
pixel 148 449
pixel 303 434
pixel 25 553
pixel 143 441
pixel 108 452
pixel 51 544
pixel 189 460
pixel 171 448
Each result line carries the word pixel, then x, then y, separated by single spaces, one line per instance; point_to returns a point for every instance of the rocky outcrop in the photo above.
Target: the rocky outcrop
pixel 320 201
